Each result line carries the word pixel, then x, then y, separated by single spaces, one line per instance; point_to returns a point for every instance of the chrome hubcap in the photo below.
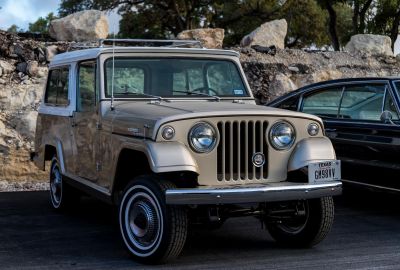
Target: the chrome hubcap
pixel 56 185
pixel 142 219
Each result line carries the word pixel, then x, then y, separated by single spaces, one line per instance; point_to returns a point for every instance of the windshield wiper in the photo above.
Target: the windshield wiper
pixel 217 98
pixel 159 98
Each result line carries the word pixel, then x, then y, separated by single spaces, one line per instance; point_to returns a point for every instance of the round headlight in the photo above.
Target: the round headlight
pixel 168 132
pixel 313 129
pixel 202 137
pixel 282 135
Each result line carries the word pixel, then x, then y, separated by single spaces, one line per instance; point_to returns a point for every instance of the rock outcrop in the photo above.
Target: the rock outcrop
pixel 268 34
pixel 271 76
pixel 370 45
pixel 211 38
pixel 88 25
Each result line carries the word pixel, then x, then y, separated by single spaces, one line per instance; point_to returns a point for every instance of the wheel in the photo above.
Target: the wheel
pixel 153 232
pixel 62 196
pixel 311 224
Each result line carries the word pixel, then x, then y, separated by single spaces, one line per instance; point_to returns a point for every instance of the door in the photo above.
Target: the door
pixel 85 123
pixel 367 147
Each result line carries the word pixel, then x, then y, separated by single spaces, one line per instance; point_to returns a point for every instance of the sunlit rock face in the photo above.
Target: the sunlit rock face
pixel 86 25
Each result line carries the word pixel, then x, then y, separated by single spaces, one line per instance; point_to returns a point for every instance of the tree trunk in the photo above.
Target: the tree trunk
pixel 355 16
pixel 394 33
pixel 362 14
pixel 332 26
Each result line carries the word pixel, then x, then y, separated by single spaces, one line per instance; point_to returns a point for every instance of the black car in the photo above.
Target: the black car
pixel 361 117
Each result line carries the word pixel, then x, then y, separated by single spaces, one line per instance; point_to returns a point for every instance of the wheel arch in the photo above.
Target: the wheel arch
pixel 133 162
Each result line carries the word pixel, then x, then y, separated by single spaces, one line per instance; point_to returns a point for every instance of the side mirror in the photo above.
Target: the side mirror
pixel 387 117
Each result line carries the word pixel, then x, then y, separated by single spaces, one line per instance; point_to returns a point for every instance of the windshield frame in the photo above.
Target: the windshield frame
pixel 247 95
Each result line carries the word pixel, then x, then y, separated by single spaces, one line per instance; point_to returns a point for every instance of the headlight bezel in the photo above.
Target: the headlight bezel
pixel 271 135
pixel 191 135
pixel 313 127
pixel 168 136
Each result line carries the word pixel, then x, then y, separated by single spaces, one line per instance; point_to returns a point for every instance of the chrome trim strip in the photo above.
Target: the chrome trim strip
pixel 281 191
pixel 370 185
pixel 88 183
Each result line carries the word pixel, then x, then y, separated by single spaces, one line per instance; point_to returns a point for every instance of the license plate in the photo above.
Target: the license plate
pixel 324 171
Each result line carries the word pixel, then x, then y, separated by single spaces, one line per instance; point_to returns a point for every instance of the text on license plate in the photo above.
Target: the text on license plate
pixel 324 171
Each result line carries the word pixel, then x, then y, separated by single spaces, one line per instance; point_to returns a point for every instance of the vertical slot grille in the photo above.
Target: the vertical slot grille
pixel 239 140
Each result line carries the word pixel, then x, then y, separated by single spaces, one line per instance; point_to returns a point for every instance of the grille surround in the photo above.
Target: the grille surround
pixel 239 140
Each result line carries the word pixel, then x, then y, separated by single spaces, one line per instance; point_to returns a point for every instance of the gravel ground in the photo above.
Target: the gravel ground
pixel 11 186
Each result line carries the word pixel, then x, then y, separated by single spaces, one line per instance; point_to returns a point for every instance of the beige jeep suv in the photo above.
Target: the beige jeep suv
pixel 172 135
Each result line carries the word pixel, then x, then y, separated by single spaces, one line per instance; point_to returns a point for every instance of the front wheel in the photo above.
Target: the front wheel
pixel 310 224
pixel 153 232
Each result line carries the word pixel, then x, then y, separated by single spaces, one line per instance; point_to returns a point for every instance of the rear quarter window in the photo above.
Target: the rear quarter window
pixel 57 87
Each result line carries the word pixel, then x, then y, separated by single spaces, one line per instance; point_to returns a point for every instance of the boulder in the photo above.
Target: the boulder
pixel 50 52
pixel 268 34
pixel 33 68
pixel 6 67
pixel 370 45
pixel 88 25
pixel 280 85
pixel 211 38
pixel 26 124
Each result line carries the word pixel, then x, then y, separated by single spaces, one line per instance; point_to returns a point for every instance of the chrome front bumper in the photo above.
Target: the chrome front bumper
pixel 252 193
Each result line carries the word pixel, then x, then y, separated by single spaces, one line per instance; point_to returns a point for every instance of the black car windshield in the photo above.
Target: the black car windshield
pixel 173 77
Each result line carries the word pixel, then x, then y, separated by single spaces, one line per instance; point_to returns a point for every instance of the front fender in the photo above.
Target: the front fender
pixel 170 157
pixel 311 150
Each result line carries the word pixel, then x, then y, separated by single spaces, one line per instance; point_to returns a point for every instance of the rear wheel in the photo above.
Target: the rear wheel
pixel 153 232
pixel 309 225
pixel 62 195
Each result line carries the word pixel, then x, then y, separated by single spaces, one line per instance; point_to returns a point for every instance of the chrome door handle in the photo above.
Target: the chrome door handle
pixel 330 130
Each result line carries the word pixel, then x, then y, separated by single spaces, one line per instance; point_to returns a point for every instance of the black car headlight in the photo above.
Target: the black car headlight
pixel 202 137
pixel 282 135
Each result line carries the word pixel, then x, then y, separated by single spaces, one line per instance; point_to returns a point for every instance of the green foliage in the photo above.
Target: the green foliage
pixel 14 29
pixel 306 23
pixel 71 6
pixel 240 17
pixel 344 22
pixel 42 24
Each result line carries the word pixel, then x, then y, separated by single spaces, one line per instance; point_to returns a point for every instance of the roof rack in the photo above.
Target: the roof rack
pixel 150 43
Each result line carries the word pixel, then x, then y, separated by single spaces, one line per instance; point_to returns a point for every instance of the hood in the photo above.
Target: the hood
pixel 136 115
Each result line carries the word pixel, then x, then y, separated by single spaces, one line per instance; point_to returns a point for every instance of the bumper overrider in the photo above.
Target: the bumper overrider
pixel 252 193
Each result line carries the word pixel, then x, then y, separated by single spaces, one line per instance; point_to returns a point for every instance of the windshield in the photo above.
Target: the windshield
pixel 173 77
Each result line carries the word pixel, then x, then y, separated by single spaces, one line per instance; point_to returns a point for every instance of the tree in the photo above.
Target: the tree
pixel 240 17
pixel 344 22
pixel 332 22
pixel 387 19
pixel 301 15
pixel 360 9
pixel 42 24
pixel 14 29
pixel 68 7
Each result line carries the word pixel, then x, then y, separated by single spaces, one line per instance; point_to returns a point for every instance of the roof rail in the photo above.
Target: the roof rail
pixel 150 43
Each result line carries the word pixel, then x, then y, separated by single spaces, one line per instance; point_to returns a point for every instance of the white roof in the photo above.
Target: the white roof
pixel 79 55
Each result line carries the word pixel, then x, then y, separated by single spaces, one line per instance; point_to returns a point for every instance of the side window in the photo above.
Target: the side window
pixel 57 87
pixel 363 102
pixel 87 86
pixel 324 102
